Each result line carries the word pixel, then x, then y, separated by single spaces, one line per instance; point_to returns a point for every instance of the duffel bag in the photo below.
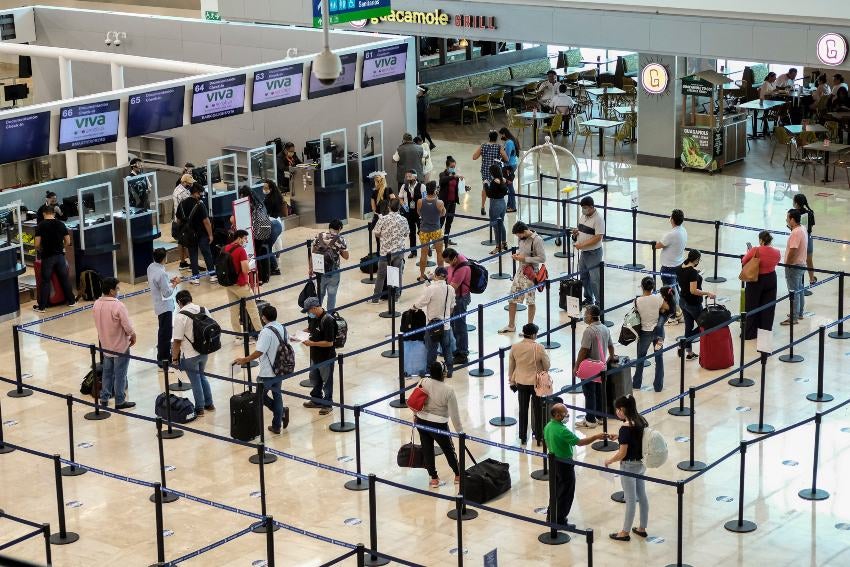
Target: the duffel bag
pixel 486 480
pixel 182 409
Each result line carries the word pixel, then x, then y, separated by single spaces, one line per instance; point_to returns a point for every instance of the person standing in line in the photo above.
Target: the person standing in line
pixel 762 291
pixel 648 306
pixel 512 150
pixel 496 190
pixel 393 231
pixel 588 240
pixel 182 192
pixel 333 246
pixel 116 335
pixel 427 164
pixel 408 156
pixel 795 265
pixel 807 219
pixel 438 300
pixel 630 457
pixel 242 288
pixel 595 336
pixel 275 206
pixel 488 152
pixel 672 246
pixel 408 195
pixel 450 195
pixel 422 115
pixel 192 212
pixel 440 405
pixel 322 329
pixel 526 359
pixel 560 441
pixel 431 213
pixel 530 252
pixel 193 363
pixel 459 277
pixel 51 239
pixel 690 288
pixel 271 339
pixel 163 289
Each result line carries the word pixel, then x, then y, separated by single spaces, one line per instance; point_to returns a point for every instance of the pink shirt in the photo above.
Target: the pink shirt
pixel 460 277
pixel 768 258
pixel 113 325
pixel 798 247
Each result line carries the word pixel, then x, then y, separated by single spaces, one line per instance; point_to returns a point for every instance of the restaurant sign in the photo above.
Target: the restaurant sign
pixel 832 49
pixel 701 147
pixel 654 79
pixel 433 18
pixel 696 86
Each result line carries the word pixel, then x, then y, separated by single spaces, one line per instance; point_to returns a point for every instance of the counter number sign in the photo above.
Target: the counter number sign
pixel 832 49
pixel 655 78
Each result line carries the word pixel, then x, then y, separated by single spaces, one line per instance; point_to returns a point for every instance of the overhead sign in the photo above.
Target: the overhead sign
pixel 435 17
pixel 88 125
pixel 384 65
pixel 218 98
pixel 655 78
pixel 24 137
pixel 832 49
pixel 155 111
pixel 274 87
pixel 348 10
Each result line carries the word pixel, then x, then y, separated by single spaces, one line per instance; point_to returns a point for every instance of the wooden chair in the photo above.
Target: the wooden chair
pixel 624 133
pixel 843 163
pixel 581 131
pixel 516 124
pixel 781 137
pixel 802 157
pixel 479 105
pixel 497 101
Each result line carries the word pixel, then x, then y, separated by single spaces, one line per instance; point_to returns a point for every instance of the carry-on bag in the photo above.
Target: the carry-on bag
pixel 411 320
pixel 618 380
pixel 410 454
pixel 486 480
pixel 57 296
pixel 713 315
pixel 715 350
pixel 245 416
pixel 569 288
pixel 415 357
pixel 182 409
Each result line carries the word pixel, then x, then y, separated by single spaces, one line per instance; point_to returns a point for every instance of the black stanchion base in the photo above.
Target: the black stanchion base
pixel 817 494
pixel 561 255
pixel 691 467
pixel 558 538
pixel 71 471
pixel 760 429
pixel 741 383
pixel 5 449
pixel 719 279
pixel 173 434
pixel 679 412
pixel 467 514
pixel 607 323
pixel 791 358
pixel 519 307
pixel 551 345
pixel 389 314
pixel 390 354
pixel 22 394
pixel 375 561
pixel 341 426
pixel 356 485
pixel 167 497
pixel 606 446
pixel 70 537
pixel 180 387
pixel 634 266
pixel 821 398
pixel 97 416
pixel 618 496
pixel 478 373
pixel 678 565
pixel 398 404
pixel 260 528
pixel 268 458
pixel 503 421
pixel 743 527
pixel 305 383
pixel 430 264
pixel 470 328
pixel 540 474
pixel 837 335
pixel 368 281
pixel 500 276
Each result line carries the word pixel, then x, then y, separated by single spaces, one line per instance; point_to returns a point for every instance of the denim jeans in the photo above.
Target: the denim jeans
pixel 511 197
pixel 49 265
pixel 204 247
pixel 794 279
pixel 634 491
pixel 459 325
pixel 668 278
pixel 593 401
pixel 396 260
pixel 328 284
pixel 446 343
pixel 645 340
pixel 277 229
pixel 115 378
pixel 273 398
pixel 497 217
pixel 322 380
pixel 194 368
pixel 588 266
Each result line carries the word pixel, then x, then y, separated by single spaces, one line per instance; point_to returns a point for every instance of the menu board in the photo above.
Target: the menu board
pixel 696 86
pixel 384 65
pixel 344 83
pixel 155 111
pixel 88 125
pixel 274 87
pixel 24 137
pixel 701 147
pixel 218 98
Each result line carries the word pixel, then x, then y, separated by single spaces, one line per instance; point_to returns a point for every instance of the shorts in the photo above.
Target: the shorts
pixel 433 236
pixel 520 283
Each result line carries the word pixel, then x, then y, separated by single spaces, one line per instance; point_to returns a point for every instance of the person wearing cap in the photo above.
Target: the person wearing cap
pixel 526 359
pixel 182 192
pixel 588 240
pixel 530 254
pixel 322 328
pixel 438 300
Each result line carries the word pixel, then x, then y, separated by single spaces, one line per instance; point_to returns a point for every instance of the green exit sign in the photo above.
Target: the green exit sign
pixel 212 16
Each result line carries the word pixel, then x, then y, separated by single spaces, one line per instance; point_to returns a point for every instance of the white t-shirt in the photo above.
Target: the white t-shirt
pixel 766 89
pixel 562 100
pixel 675 241
pixel 588 227
pixel 784 81
pixel 181 329
pixel 547 90
pixel 648 307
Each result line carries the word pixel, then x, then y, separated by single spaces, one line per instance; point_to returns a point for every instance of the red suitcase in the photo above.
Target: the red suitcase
pixel 715 350
pixel 57 296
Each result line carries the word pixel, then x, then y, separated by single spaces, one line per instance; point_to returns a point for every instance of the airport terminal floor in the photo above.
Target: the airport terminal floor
pixel 116 521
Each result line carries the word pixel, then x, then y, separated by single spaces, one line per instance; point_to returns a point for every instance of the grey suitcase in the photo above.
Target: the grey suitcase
pixel 618 381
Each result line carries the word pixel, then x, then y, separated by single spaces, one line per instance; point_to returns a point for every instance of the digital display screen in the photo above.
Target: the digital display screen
pixel 88 125
pixel 384 65
pixel 24 137
pixel 344 83
pixel 218 98
pixel 155 111
pixel 274 87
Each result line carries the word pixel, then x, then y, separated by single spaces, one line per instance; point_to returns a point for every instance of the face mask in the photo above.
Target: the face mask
pixel 410 181
pixel 311 315
pixel 789 226
pixel 451 170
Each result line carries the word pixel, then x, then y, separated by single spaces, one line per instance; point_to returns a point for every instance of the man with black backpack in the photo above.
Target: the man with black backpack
pixel 322 327
pixel 331 245
pixel 459 276
pixel 233 269
pixel 195 335
pixel 195 231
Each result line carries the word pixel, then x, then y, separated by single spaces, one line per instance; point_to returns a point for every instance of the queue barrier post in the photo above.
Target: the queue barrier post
pixel 98 413
pixel 761 427
pixel 261 527
pixel 790 356
pixel 840 333
pixel 691 464
pixel 491 241
pixel 372 268
pixel 819 396
pixel 552 536
pixel 815 493
pixel 634 265
pixel 500 275
pixel 45 532
pixel 741 525
pixel 19 391
pixel 589 540
pixel 716 278
pixel 63 536
pixel 270 528
pixel 681 411
pixel 606 445
pixel 160 535
pixel 458 517
pixel 740 381
pixel 167 497
pixel 565 236
pixel 246 349
pixel 171 433
pixel 542 474
pixel 549 344
pixel 502 421
pixel 465 513
pixel 4 449
pixel 361 555
pixel 401 402
pixel 373 560
pixel 601 298
pixel 357 484
pixel 341 426
pixel 654 253
pixel 573 324
pixel 680 512
pixel 391 314
pixel 68 470
pixel 480 372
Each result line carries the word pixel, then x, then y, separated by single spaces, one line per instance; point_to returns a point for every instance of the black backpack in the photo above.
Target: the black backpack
pixel 479 276
pixel 206 333
pixel 331 256
pixel 90 285
pixel 284 358
pixel 341 329
pixel 225 271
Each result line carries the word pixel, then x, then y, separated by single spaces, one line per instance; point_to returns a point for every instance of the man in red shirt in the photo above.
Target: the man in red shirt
pixel 459 277
pixel 241 289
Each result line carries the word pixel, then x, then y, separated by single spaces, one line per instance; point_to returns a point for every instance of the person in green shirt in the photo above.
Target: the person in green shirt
pixel 560 442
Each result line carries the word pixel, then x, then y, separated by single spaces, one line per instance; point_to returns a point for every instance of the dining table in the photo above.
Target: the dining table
pixel 535 118
pixel 826 149
pixel 602 125
pixel 464 95
pixel 797 129
pixel 514 84
pixel 753 107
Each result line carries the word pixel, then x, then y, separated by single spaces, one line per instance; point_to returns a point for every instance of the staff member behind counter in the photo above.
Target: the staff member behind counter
pixel 50 204
pixel 286 160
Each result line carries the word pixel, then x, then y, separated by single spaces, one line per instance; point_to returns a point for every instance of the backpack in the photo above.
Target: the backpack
pixel 92 382
pixel 261 224
pixel 182 409
pixel 187 235
pixel 90 285
pixel 284 358
pixel 654 448
pixel 206 333
pixel 225 271
pixel 341 334
pixel 326 249
pixel 479 276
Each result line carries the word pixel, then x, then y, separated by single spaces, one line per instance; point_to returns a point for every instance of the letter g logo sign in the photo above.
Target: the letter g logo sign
pixel 832 49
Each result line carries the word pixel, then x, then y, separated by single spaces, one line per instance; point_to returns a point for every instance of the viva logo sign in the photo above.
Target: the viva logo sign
pixel 89 121
pixel 219 95
pixel 385 62
pixel 278 83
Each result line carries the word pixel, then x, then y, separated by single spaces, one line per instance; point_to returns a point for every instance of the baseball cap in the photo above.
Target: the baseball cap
pixel 310 303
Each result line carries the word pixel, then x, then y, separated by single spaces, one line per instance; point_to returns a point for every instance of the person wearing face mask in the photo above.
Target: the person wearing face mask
pixel 322 329
pixel 408 196
pixel 241 289
pixel 450 195
pixel 691 293
pixel 275 205
pixel 51 203
pixel 530 252
pixel 286 161
pixel 182 192
pixel 588 240
pixel 595 344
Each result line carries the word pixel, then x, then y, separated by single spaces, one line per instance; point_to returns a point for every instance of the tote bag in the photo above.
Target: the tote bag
pixel 750 271
pixel 542 379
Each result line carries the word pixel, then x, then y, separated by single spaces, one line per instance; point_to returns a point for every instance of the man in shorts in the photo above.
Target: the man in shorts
pixel 431 213
pixel 530 252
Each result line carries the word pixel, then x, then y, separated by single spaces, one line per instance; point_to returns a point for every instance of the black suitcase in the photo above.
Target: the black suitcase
pixel 569 288
pixel 370 268
pixel 411 320
pixel 245 416
pixel 486 480
pixel 618 381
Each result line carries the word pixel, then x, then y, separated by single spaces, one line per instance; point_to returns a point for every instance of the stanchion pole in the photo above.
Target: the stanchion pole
pixel 98 413
pixel 681 411
pixel 691 464
pixel 491 241
pixel 680 512
pixel 480 372
pixel 267 458
pixel 171 433
pixel 654 253
pixel 69 470
pixel 549 344
pixel 565 234
pixel 606 445
pixel 819 396
pixel 840 333
pixel 341 426
pixel 63 537
pixel 167 497
pixel 716 278
pixel 542 474
pixel 815 493
pixel 401 402
pixel 357 484
pixel 371 279
pixel 458 517
pixel 260 527
pixel 466 513
pixel 361 555
pixel 741 525
pixel 45 532
pixel 502 421
pixel 634 265
pixel 391 315
pixel 4 449
pixel 601 297
pixel 500 275
pixel 573 323
pixel 740 381
pixel 160 536
pixel 589 539
pixel 552 536
pixel 791 357
pixel 373 560
pixel 19 391
pixel 270 529
pixel 761 427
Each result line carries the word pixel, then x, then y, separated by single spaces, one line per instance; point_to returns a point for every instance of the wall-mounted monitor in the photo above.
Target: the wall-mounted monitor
pixel 274 87
pixel 24 137
pixel 344 83
pixel 88 125
pixel 384 65
pixel 155 111
pixel 218 98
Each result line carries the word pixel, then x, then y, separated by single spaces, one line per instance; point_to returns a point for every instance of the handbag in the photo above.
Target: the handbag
pixel 631 327
pixel 436 333
pixel 538 277
pixel 590 368
pixel 750 271
pixel 461 186
pixel 410 455
pixel 418 397
pixel 542 379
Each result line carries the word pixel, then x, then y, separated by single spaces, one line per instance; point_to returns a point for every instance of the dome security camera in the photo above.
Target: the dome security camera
pixel 327 67
pixel 108 41
pixel 117 42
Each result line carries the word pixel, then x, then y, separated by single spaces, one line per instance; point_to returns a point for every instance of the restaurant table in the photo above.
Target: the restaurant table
pixel 797 129
pixel 514 84
pixel 599 63
pixel 602 124
pixel 464 95
pixel 599 91
pixel 754 106
pixel 563 71
pixel 826 151
pixel 535 117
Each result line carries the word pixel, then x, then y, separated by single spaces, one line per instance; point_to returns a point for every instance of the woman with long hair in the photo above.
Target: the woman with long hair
pixel 807 219
pixel 690 285
pixel 440 406
pixel 275 206
pixel 630 457
pixel 496 190
pixel 762 291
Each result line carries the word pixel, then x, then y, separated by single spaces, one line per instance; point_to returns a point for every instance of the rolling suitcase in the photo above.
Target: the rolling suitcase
pixel 245 416
pixel 486 480
pixel 618 381
pixel 260 303
pixel 715 352
pixel 57 296
pixel 415 358
pixel 569 288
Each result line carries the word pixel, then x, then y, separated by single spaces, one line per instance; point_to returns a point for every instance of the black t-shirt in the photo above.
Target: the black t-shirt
pixel 388 195
pixel 57 211
pixel 322 329
pixel 496 190
pixel 185 211
pixel 686 276
pixel 633 437
pixel 52 233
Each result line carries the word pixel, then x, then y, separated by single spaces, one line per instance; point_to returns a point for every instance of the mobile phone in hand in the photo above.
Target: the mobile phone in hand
pixel 749 246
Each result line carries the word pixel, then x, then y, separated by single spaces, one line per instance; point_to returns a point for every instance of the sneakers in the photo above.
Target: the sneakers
pixel 584 424
pixel 285 418
pixel 209 407
pixel 38 309
pixel 125 405
pixel 312 405
pixel 374 300
pixel 199 413
pixel 195 282
pixel 507 329
pixel 275 272
pixel 72 303
pixel 691 356
pixel 185 266
pixel 325 410
pixel 273 430
pixel 213 279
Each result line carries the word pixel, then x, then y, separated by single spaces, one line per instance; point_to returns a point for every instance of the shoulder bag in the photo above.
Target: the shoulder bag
pixel 590 368
pixel 542 378
pixel 188 236
pixel 750 271
pixel 410 454
pixel 418 397
pixel 631 327
pixel 436 333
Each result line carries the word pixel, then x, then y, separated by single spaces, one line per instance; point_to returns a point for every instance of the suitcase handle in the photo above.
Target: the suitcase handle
pixel 470 455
